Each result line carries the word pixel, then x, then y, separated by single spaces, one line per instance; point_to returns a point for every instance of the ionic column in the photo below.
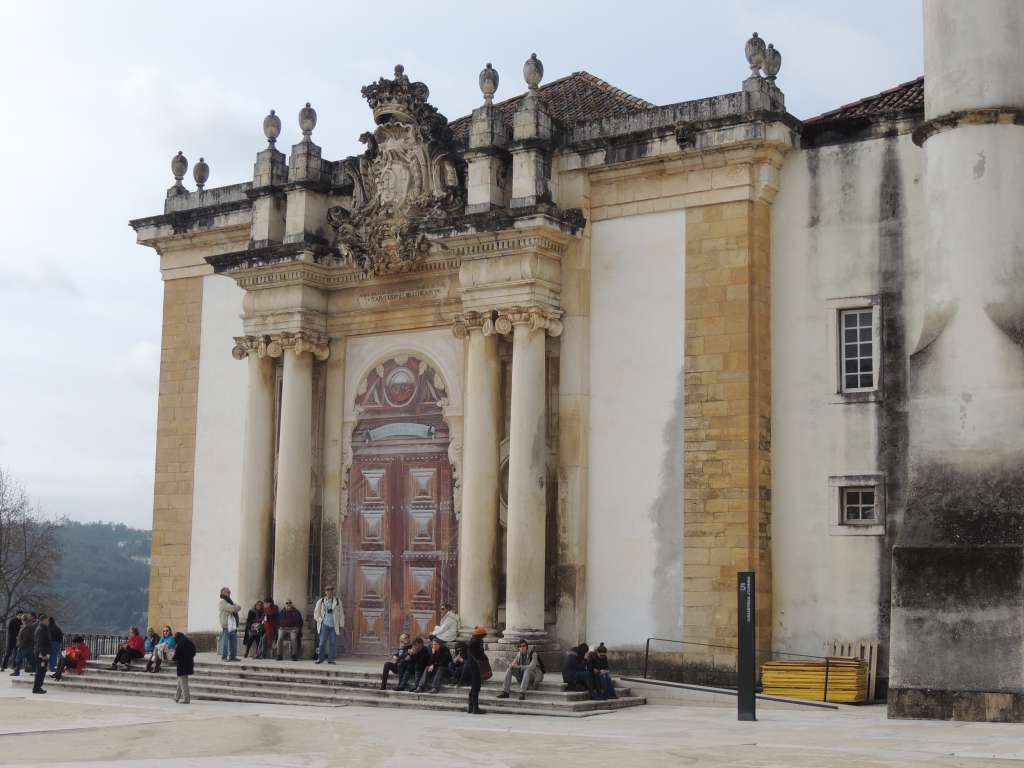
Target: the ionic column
pixel 478 528
pixel 527 472
pixel 294 480
pixel 253 582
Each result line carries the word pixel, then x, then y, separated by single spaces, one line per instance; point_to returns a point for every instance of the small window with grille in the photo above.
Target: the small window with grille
pixel 857 350
pixel 859 506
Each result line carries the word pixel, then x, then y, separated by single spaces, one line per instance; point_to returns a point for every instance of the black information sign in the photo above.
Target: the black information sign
pixel 746 663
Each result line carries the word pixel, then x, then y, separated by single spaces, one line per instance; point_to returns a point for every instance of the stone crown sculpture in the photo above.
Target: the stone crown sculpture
pixel 272 127
pixel 488 83
pixel 307 121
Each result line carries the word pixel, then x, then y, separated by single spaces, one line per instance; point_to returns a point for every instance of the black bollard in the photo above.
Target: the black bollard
pixel 746 660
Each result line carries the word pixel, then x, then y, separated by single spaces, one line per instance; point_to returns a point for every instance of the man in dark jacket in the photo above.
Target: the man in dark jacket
pixel 56 641
pixel 436 669
pixel 41 651
pixel 11 651
pixel 184 660
pixel 289 630
pixel 397 662
pixel 26 637
pixel 415 663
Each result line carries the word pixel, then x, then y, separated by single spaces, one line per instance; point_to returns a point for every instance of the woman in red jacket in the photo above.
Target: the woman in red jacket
pixel 134 649
pixel 73 658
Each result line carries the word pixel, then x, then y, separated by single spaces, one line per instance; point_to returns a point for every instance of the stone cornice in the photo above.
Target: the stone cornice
pixel 182 221
pixel 984 116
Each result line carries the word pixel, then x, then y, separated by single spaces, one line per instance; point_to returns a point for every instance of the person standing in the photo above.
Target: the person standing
pixel 184 660
pixel 527 670
pixel 56 641
pixel 41 651
pixel 289 631
pixel 228 611
pixel 26 637
pixel 329 617
pixel 476 669
pixel 11 651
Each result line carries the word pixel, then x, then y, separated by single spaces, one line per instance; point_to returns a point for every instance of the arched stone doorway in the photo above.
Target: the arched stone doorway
pixel 400 536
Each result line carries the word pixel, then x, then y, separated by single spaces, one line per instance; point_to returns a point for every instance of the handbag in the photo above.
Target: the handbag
pixel 485 669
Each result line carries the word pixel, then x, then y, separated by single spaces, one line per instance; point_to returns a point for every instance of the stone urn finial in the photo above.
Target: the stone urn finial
pixel 488 82
pixel 754 51
pixel 533 71
pixel 307 121
pixel 179 164
pixel 201 173
pixel 772 62
pixel 272 127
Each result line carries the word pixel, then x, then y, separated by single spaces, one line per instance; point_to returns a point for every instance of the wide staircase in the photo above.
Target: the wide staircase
pixel 268 682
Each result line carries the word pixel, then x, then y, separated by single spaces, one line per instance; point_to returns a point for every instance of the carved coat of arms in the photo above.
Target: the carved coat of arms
pixel 408 179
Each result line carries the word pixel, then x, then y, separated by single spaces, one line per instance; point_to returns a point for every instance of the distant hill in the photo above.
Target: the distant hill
pixel 103 577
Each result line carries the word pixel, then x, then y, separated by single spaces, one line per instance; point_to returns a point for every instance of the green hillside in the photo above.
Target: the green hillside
pixel 103 577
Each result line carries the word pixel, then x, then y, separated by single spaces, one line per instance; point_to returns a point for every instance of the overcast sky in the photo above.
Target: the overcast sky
pixel 95 98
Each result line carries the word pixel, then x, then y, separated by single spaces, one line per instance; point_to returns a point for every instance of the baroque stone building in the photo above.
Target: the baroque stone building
pixel 574 360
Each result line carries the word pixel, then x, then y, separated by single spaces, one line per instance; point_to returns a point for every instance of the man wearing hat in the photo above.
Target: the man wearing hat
pixel 289 631
pixel 329 617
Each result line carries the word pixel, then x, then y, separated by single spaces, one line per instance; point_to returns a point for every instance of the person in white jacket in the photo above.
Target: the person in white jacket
pixel 329 617
pixel 449 626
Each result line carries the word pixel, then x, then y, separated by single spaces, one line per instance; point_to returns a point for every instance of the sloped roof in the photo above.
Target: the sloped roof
pixel 579 96
pixel 905 97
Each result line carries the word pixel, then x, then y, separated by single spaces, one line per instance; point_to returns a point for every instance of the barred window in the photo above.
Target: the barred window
pixel 858 506
pixel 857 349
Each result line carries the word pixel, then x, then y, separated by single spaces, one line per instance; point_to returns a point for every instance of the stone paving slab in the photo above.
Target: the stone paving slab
pixel 69 729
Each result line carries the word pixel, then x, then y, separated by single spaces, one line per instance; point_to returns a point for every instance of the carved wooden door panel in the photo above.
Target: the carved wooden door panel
pixel 372 527
pixel 430 551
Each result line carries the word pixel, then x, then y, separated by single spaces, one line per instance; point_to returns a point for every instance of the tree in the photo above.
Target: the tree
pixel 29 553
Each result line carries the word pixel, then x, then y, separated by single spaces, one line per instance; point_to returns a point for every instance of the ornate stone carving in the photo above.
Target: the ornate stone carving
pixel 538 318
pixel 754 51
pixel 772 63
pixel 533 72
pixel 468 321
pixel 488 83
pixel 201 173
pixel 179 164
pixel 275 345
pixel 408 177
pixel 271 128
pixel 307 122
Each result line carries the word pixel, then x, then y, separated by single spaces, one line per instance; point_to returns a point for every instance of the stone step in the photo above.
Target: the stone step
pixel 163 685
pixel 341 675
pixel 323 686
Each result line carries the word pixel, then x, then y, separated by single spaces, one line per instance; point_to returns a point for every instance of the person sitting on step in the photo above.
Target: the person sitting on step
pixel 253 630
pixel 134 649
pixel 526 668
pixel 602 676
pixel 149 641
pixel 162 651
pixel 574 670
pixel 458 661
pixel 397 662
pixel 289 631
pixel 415 662
pixel 449 626
pixel 436 669
pixel 73 658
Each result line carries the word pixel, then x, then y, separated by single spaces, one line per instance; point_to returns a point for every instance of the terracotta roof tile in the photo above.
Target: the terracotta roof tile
pixel 906 97
pixel 579 96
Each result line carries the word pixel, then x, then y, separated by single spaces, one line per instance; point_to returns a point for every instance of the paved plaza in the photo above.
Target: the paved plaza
pixel 65 728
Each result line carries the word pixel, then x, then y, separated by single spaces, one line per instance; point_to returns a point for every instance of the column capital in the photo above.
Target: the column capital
pixel 470 321
pixel 536 317
pixel 275 345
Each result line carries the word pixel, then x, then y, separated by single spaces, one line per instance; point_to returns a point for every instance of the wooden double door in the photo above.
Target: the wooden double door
pixel 401 543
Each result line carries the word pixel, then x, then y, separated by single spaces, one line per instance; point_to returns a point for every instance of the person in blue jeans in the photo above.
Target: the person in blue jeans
pixel 228 611
pixel 329 617
pixel 56 641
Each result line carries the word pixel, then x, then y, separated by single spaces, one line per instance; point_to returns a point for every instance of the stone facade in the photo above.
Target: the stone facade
pixel 175 450
pixel 628 379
